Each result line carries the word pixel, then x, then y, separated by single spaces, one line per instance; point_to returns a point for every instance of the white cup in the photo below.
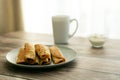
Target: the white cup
pixel 61 25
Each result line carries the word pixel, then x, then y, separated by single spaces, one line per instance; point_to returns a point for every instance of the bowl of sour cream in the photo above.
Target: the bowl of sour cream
pixel 97 40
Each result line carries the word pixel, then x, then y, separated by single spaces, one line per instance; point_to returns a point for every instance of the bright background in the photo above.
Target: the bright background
pixel 94 16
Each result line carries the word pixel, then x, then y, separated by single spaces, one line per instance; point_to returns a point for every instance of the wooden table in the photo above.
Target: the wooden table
pixel 90 64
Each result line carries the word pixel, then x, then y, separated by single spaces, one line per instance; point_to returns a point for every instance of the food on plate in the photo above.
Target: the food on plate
pixel 44 53
pixel 30 55
pixel 57 55
pixel 39 54
pixel 21 55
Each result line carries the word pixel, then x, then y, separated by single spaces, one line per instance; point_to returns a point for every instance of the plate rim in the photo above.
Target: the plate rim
pixel 42 66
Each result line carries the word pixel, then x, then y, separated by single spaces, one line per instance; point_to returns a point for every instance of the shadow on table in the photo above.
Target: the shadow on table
pixel 13 68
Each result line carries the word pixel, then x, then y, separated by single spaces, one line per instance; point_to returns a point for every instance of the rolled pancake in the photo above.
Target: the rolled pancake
pixel 30 55
pixel 57 55
pixel 42 51
pixel 21 56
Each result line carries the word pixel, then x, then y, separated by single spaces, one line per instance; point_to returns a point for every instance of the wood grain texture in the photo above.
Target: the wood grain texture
pixel 90 64
pixel 3 77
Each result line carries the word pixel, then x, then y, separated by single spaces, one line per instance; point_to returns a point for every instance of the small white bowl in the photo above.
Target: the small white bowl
pixel 97 40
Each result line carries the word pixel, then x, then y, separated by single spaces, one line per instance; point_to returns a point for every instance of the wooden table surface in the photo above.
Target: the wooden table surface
pixel 90 64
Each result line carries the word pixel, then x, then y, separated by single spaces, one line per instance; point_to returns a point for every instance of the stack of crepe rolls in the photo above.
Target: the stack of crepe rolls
pixel 39 54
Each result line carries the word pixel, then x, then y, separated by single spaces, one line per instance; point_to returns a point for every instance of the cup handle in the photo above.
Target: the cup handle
pixel 76 27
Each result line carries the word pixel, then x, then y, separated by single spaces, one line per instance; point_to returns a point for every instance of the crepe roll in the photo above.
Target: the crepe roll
pixel 21 56
pixel 30 55
pixel 57 55
pixel 42 51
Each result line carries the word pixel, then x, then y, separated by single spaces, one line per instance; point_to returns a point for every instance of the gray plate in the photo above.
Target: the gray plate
pixel 68 53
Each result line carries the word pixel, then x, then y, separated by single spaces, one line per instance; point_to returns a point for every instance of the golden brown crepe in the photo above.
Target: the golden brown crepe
pixel 57 55
pixel 42 51
pixel 21 56
pixel 30 55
